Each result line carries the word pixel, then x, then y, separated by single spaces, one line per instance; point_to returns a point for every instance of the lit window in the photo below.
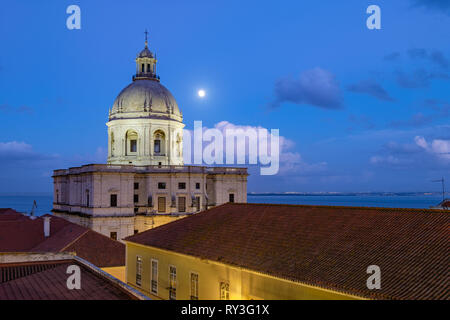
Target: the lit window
pixel 172 283
pixel 194 286
pixel 154 284
pixel 224 291
pixel 138 271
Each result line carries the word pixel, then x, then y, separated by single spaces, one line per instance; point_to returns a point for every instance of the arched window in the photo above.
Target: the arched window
pixel 159 142
pixel 132 139
pixel 143 67
pixel 148 67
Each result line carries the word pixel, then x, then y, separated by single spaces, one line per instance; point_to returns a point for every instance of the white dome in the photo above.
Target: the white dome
pixel 145 99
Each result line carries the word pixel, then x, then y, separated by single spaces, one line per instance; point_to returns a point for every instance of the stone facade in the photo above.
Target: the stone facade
pixel 144 183
pixel 120 200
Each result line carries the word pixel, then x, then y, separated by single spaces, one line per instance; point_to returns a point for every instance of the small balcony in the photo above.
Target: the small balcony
pixel 146 75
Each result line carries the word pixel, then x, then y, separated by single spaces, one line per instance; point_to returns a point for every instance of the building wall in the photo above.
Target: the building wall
pixel 243 284
pixel 83 195
pixel 145 129
pixel 117 272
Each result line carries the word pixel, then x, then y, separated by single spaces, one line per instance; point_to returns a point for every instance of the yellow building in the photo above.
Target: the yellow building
pixel 251 251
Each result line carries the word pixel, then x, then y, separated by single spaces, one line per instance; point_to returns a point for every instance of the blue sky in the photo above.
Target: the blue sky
pixel 362 110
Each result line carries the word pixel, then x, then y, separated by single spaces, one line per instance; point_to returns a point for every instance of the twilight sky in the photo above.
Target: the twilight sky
pixel 358 109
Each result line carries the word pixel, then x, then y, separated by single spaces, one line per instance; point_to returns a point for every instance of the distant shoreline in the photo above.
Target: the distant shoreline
pixel 321 194
pixel 44 194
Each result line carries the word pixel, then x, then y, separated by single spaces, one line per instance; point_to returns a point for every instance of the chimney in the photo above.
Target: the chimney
pixel 47 227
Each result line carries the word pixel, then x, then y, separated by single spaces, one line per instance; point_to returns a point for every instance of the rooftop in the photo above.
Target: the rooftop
pixel 20 233
pixel 149 169
pixel 328 247
pixel 44 277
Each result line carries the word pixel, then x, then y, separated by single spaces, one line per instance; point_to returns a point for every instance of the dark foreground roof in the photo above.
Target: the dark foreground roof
pixel 47 280
pixel 19 233
pixel 329 247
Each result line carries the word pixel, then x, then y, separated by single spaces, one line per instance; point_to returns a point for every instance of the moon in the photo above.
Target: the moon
pixel 201 93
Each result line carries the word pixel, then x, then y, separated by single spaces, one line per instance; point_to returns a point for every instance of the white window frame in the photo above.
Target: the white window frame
pixel 151 275
pixel 170 281
pixel 190 284
pixel 141 268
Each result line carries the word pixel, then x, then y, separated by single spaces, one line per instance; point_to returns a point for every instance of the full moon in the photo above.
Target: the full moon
pixel 201 93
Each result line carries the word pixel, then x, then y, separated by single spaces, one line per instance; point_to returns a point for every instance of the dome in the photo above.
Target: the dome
pixel 146 53
pixel 145 99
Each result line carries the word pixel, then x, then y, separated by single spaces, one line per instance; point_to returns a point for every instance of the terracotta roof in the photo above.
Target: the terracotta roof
pixel 46 280
pixel 19 233
pixel 329 247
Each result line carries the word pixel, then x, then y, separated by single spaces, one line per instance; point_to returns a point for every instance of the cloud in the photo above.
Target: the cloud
pixel 388 160
pixel 417 53
pixel 394 56
pixel 316 87
pixel 418 156
pixel 290 161
pixel 441 107
pixel 20 151
pixel 371 88
pixel 439 148
pixel 6 108
pixel 419 78
pixel 416 120
pixel 438 5
pixel 395 148
pixel 436 57
pixel 100 156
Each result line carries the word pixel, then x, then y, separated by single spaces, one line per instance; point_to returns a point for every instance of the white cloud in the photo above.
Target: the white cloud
pixel 437 147
pixel 290 162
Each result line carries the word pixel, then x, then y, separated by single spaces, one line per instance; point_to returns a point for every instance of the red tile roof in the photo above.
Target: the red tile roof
pixel 47 281
pixel 329 247
pixel 19 233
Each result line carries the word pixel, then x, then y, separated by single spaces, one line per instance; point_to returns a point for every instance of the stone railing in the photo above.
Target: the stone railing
pixel 149 169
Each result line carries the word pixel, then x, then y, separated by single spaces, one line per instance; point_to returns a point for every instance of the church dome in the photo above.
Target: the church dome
pixel 145 98
pixel 145 53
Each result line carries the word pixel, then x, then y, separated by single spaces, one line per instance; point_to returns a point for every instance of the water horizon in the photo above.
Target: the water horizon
pixel 420 200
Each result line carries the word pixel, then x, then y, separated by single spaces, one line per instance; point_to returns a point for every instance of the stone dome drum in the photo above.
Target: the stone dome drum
pixel 145 98
pixel 145 124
